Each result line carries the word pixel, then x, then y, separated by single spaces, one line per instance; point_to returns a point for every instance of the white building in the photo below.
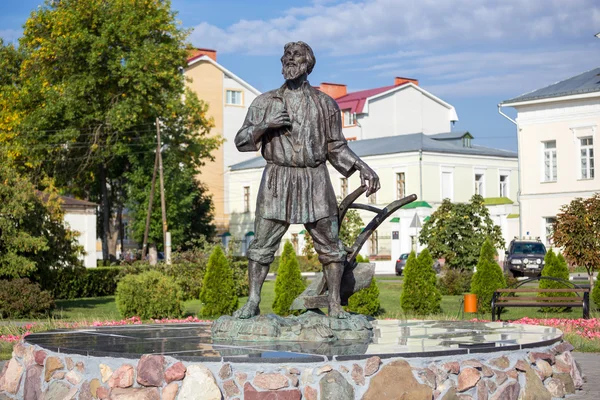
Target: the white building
pixel 80 216
pixel 434 165
pixel 557 128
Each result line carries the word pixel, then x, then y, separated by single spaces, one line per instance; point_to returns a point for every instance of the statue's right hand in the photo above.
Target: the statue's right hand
pixel 278 120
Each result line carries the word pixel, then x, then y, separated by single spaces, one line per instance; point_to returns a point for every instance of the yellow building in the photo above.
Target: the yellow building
pixel 228 98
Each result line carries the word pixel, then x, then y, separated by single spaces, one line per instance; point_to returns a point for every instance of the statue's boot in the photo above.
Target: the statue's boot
pixel 257 273
pixel 333 275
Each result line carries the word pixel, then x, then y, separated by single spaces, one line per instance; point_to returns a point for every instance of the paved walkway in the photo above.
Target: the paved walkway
pixel 590 367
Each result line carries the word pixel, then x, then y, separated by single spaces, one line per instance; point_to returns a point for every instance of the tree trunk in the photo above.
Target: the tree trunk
pixel 105 214
pixel 121 230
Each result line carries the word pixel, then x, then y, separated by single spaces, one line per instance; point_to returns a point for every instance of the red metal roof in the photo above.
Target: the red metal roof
pixel 356 101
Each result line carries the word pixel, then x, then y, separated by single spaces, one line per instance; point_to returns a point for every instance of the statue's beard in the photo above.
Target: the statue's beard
pixel 293 71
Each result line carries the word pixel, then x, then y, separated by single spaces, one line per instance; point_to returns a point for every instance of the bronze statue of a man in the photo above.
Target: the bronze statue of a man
pixel 298 128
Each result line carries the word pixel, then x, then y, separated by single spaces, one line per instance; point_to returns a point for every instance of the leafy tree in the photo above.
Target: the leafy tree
pixel 488 278
pixel 94 77
pixel 365 301
pixel 288 284
pixel 555 266
pixel 420 295
pixel 352 226
pixel 456 232
pixel 33 236
pixel 218 294
pixel 577 232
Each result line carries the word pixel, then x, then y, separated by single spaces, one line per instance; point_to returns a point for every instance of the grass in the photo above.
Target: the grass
pixel 104 308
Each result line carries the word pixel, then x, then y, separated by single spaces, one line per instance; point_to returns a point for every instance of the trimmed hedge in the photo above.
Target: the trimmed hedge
pixel 20 298
pixel 78 282
pixel 150 294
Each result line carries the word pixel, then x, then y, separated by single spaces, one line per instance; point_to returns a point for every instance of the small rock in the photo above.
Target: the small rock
pixel 199 383
pixel 396 381
pixel 69 362
pixel 335 387
pixel 19 350
pixel 500 362
pixel 501 377
pixel 482 390
pixel 11 380
pixel 105 372
pixel 452 367
pixel 534 387
pixel 306 377
pixel 33 382
pixel 521 366
pixel 440 374
pixel 225 371
pixel 465 397
pixel 135 394
pixel 492 386
pixel 103 393
pixel 293 379
pixel 372 365
pixel 344 370
pixel 59 390
pixel 487 371
pixel 122 377
pixel 73 377
pixel 428 377
pixel 357 375
pixel 545 368
pixel 80 366
pixel 534 356
pixel 150 370
pixel 555 387
pixel 450 394
pixel 562 347
pixel 512 373
pixel 169 392
pixel 39 357
pixel 574 371
pixel 561 367
pixel 468 378
pixel 567 382
pixel 471 363
pixel 447 384
pixel 509 391
pixel 231 389
pixel 250 393
pixel 324 369
pixel 295 371
pixel 175 372
pixel 58 375
pixel 84 392
pixel 52 364
pixel 310 393
pixel 270 381
pixel 94 385
pixel 241 378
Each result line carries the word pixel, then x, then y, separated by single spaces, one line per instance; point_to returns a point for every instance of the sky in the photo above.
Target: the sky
pixel 472 54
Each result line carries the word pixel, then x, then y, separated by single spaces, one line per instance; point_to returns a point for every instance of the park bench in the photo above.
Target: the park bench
pixel 504 298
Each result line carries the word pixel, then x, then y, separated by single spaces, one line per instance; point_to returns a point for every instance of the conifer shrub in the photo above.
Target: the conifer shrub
pixel 365 301
pixel 596 295
pixel 488 278
pixel 20 298
pixel 362 259
pixel 420 295
pixel 218 294
pixel 289 283
pixel 150 294
pixel 454 281
pixel 240 278
pixel 555 267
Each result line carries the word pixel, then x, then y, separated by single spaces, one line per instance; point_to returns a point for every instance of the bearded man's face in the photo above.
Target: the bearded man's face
pixel 294 62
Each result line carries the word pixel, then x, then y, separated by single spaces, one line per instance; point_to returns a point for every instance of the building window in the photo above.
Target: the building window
pixel 550 161
pixel 466 141
pixel 549 222
pixel 400 186
pixel 349 118
pixel 234 97
pixel 344 187
pixel 480 184
pixel 447 185
pixel 246 199
pixel 587 158
pixel 504 188
pixel 374 243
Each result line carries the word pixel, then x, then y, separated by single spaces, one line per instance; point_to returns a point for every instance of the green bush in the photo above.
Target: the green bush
pixel 556 267
pixel 420 295
pixel 488 277
pixel 454 282
pixel 20 298
pixel 79 282
pixel 218 294
pixel 240 278
pixel 596 295
pixel 150 294
pixel 289 283
pixel 365 301
pixel 362 259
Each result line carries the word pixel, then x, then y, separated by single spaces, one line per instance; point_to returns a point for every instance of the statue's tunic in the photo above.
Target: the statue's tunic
pixel 295 186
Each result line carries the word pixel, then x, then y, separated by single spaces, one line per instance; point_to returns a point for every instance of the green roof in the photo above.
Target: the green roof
pixel 495 201
pixel 226 234
pixel 416 204
pixel 303 231
pixel 513 216
pixel 395 219
pixel 426 218
pixel 250 233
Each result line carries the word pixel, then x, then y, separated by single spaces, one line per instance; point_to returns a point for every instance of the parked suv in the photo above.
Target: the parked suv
pixel 401 263
pixel 525 257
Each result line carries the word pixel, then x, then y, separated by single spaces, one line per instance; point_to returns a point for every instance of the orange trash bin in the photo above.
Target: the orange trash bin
pixel 470 303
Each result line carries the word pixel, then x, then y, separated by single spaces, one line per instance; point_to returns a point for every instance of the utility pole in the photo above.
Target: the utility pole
pixel 145 245
pixel 162 193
